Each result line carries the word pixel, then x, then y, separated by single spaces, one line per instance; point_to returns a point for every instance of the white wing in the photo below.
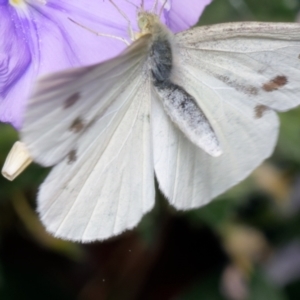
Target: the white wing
pixel 104 180
pixel 65 104
pixel 259 60
pixel 235 72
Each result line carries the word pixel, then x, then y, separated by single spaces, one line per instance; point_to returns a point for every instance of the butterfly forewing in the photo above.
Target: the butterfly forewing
pixel 259 60
pixel 64 105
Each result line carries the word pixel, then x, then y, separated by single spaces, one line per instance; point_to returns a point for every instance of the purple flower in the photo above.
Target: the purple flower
pixel 38 37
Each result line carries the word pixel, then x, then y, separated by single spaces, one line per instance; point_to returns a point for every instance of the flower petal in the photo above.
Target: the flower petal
pixel 183 16
pixel 63 43
pixel 12 106
pixel 15 62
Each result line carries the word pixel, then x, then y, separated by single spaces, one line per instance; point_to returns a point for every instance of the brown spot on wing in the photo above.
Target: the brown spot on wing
pixel 247 89
pixel 71 100
pixel 72 156
pixel 275 83
pixel 77 125
pixel 259 111
pixel 299 56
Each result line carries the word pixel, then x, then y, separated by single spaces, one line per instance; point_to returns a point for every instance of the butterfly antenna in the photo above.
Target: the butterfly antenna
pixel 162 8
pixel 101 34
pixel 154 7
pixel 132 4
pixel 125 17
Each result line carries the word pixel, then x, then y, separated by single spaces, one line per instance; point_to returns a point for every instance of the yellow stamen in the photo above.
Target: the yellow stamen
pixel 17 3
pixel 22 3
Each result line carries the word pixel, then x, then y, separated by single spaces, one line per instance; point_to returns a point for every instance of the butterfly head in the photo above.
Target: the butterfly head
pixel 148 22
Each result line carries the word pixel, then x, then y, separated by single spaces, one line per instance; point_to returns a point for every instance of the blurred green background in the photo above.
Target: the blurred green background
pixel 244 245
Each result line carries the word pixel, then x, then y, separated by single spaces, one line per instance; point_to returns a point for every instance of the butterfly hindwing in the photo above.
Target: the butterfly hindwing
pixel 187 175
pixel 107 184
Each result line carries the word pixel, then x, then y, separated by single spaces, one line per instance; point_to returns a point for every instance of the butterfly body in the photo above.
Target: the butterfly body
pixel 181 107
pixel 195 109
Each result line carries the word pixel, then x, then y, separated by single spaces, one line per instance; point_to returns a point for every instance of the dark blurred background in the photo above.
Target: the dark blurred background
pixel 244 245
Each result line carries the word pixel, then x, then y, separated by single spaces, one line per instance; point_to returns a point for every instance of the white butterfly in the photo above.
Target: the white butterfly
pixel 194 109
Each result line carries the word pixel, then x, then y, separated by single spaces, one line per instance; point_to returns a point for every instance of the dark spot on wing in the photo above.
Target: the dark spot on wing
pixel 299 56
pixel 259 111
pixel 275 83
pixel 71 100
pixel 77 125
pixel 72 156
pixel 247 89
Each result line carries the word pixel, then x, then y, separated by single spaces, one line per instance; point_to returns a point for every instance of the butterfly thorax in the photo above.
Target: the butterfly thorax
pixel 161 58
pixel 161 61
